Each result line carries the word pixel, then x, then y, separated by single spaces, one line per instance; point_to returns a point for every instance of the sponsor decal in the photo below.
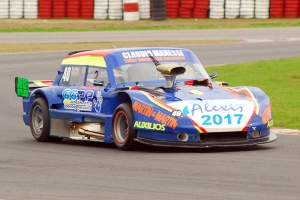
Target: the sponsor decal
pixel 216 118
pixel 75 71
pixel 160 55
pixel 150 126
pixel 220 119
pixel 155 115
pixel 79 100
pixel 98 101
pixel 209 107
pixel 217 115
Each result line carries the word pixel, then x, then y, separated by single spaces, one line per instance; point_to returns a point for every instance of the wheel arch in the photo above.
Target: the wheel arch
pixel 121 97
pixel 123 142
pixel 48 94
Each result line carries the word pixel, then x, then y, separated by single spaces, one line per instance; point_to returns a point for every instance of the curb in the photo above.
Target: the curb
pixel 286 131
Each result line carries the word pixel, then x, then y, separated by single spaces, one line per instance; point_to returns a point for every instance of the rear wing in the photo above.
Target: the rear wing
pixel 23 85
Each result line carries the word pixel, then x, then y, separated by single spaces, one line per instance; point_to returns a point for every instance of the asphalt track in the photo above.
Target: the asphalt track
pixel 82 170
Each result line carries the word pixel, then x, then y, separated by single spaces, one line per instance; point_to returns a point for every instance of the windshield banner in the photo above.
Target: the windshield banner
pixel 161 55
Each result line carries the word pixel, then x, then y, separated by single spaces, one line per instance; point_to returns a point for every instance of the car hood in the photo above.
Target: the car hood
pixel 216 110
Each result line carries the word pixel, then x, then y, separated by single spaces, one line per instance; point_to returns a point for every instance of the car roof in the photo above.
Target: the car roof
pixel 117 55
pixel 105 52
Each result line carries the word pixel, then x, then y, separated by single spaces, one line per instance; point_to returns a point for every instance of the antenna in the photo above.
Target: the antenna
pixel 156 63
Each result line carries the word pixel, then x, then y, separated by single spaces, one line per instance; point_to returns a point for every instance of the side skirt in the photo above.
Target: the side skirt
pixel 90 131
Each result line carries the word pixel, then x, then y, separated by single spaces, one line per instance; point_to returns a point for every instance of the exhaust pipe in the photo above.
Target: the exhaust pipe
pixel 82 131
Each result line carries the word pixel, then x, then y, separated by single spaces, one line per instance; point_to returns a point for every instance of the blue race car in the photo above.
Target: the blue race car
pixel 156 96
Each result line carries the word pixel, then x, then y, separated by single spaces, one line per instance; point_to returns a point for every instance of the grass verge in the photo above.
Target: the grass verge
pixel 17 48
pixel 59 25
pixel 279 79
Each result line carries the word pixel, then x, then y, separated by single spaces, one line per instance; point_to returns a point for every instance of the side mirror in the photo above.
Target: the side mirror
pixel 213 75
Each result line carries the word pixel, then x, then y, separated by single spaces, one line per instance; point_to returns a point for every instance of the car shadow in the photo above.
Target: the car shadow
pixel 154 149
pixel 88 143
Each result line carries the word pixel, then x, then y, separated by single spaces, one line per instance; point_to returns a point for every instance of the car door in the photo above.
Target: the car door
pixel 73 98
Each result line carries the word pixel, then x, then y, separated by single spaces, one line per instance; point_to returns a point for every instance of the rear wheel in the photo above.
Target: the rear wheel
pixel 40 122
pixel 123 133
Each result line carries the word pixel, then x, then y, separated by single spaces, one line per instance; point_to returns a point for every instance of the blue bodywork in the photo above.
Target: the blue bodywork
pixel 160 116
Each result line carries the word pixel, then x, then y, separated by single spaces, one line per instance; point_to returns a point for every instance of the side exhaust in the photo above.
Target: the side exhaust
pixel 87 133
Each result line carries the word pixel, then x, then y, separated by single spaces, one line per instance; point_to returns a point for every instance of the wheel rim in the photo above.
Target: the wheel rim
pixel 37 120
pixel 121 127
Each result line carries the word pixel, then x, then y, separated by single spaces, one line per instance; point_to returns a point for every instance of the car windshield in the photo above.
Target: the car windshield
pixel 140 72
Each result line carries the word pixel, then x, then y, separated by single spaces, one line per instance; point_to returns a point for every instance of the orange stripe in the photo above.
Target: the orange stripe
pixel 170 109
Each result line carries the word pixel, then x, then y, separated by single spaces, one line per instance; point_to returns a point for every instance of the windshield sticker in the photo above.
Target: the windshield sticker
pixel 66 76
pixel 160 55
pixel 75 71
pixel 79 100
pixel 98 102
pixel 158 116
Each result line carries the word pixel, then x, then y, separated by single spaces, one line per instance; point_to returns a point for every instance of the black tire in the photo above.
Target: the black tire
pixel 159 10
pixel 39 116
pixel 157 1
pixel 158 17
pixel 122 128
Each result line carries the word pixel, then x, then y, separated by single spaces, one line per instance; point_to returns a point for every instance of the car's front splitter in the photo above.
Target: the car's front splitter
pixel 247 142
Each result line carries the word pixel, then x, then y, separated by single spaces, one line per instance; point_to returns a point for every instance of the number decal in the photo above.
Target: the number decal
pixel 239 118
pixel 206 122
pixel 66 75
pixel 228 118
pixel 176 113
pixel 218 119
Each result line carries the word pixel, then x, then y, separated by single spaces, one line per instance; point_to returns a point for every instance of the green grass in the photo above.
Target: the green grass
pixel 68 25
pixel 279 79
pixel 120 28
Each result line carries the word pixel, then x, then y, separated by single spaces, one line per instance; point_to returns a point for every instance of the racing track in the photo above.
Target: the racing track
pixel 82 170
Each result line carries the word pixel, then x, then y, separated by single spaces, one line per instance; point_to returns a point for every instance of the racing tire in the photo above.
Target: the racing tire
pixel 40 122
pixel 122 128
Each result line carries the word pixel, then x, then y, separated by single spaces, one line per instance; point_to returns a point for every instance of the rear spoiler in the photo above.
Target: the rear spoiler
pixel 23 85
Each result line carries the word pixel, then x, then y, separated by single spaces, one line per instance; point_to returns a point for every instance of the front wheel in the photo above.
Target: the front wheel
pixel 123 133
pixel 40 121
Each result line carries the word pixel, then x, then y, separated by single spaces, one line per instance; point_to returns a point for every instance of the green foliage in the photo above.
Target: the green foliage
pixel 279 79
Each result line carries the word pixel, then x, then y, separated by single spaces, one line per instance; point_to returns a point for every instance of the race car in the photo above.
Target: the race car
pixel 159 96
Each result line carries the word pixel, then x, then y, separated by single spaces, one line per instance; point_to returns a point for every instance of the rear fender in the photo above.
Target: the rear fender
pixel 48 93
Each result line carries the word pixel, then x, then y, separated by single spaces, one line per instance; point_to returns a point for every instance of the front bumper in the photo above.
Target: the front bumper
pixel 199 144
